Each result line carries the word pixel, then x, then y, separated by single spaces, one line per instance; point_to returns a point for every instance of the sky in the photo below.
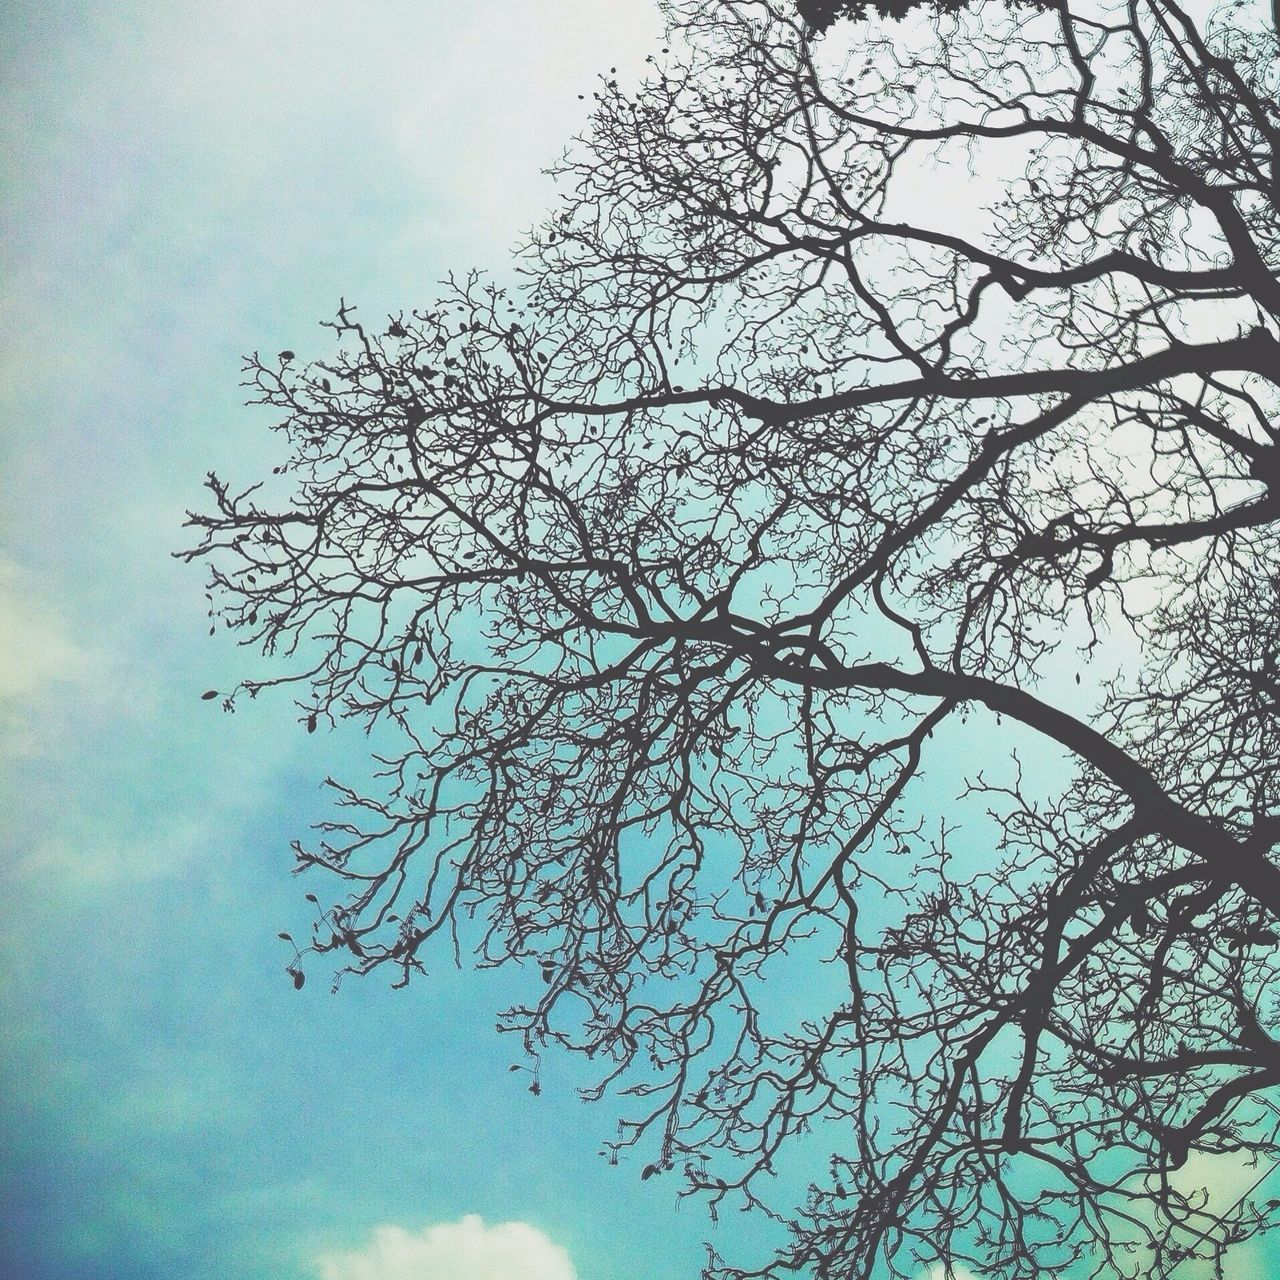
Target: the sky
pixel 182 185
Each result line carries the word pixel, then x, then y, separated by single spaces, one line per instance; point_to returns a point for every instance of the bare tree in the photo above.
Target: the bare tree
pixel 663 580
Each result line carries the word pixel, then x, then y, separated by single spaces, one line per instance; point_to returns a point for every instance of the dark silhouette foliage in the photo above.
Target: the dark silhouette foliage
pixel 832 641
pixel 821 14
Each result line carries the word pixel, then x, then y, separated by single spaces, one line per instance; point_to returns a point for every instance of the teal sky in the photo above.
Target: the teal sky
pixel 183 184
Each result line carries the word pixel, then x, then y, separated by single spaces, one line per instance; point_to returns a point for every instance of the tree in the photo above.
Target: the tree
pixel 818 15
pixel 674 582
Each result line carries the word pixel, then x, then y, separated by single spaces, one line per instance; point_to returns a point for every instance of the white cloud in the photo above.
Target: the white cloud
pixel 39 657
pixel 519 69
pixel 36 649
pixel 940 1272
pixel 466 1250
pixel 1224 1179
pixel 83 857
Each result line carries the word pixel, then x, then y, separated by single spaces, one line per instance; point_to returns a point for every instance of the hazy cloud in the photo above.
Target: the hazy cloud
pixel 466 1250
pixel 38 656
pixel 36 647
pixel 83 858
pixel 940 1272
pixel 1224 1179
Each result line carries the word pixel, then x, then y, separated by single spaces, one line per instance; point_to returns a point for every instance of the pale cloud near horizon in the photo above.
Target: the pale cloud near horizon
pixel 465 1250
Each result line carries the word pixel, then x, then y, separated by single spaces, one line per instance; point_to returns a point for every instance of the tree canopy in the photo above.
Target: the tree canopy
pixel 818 15
pixel 681 584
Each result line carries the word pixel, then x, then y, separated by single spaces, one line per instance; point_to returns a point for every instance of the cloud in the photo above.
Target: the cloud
pixel 36 649
pixel 520 69
pixel 466 1250
pixel 86 857
pixel 955 1272
pixel 39 658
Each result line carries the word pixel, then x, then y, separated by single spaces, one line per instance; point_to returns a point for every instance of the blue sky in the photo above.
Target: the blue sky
pixel 184 184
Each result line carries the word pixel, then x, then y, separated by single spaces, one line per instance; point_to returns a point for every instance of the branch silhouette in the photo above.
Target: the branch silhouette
pixel 721 602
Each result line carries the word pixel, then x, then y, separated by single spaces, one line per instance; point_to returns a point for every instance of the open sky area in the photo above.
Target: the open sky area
pixel 182 185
